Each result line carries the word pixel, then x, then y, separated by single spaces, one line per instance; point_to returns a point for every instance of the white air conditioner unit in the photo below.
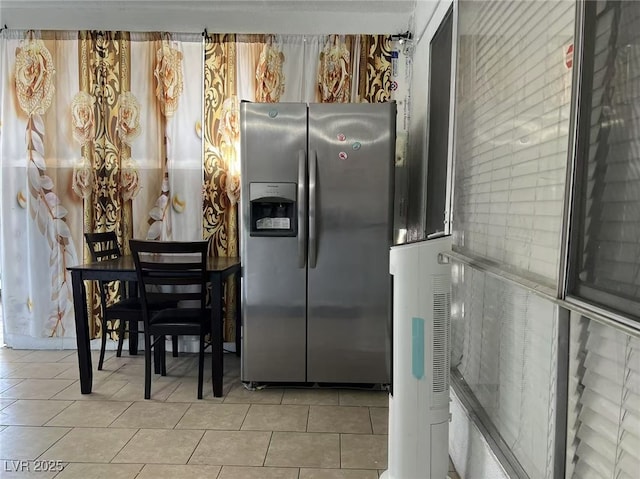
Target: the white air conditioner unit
pixel 419 400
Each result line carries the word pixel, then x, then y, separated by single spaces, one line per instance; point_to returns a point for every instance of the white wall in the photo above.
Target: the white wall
pixel 226 16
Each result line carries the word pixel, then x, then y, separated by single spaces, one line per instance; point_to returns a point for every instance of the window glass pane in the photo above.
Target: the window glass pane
pixel 512 121
pixel 604 402
pixel 439 105
pixel 607 251
pixel 503 344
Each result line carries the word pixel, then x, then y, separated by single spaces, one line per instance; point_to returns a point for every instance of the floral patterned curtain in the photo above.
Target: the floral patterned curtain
pixel 39 218
pixel 104 122
pixel 111 142
pixel 104 131
pixel 221 158
pixel 374 76
pixel 316 68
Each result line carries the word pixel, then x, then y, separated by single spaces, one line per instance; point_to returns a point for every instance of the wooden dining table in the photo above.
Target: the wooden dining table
pixel 123 269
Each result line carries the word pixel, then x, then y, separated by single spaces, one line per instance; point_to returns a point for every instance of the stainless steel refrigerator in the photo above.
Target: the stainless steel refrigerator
pixel 316 227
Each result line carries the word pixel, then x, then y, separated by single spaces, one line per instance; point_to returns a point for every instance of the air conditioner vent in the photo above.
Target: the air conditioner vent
pixel 441 321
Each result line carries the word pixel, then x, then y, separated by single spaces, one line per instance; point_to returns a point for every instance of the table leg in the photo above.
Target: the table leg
pixel 238 315
pixel 132 292
pixel 82 332
pixel 216 335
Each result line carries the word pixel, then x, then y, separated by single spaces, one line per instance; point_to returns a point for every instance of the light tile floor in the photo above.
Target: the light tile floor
pixel 114 433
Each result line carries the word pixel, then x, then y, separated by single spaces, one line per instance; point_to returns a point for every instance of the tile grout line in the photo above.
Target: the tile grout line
pixel 264 461
pixel 341 399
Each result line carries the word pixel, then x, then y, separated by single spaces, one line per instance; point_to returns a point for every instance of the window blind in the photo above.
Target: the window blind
pixel 512 111
pixel 503 345
pixel 605 391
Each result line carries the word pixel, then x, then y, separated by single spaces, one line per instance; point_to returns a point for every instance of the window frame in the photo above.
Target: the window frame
pixel 569 287
pixel 444 174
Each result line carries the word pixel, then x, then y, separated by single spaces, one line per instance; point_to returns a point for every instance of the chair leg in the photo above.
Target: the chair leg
pixel 156 355
pixel 121 330
pixel 163 356
pixel 201 367
pixel 103 344
pixel 174 346
pixel 147 366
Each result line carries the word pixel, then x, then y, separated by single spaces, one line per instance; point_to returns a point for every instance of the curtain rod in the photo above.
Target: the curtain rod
pixel 402 36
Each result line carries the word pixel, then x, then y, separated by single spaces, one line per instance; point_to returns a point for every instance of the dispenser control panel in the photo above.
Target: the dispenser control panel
pixel 273 224
pixel 273 209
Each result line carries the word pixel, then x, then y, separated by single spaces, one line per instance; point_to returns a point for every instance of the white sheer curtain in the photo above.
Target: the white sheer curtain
pixel 298 56
pixel 183 135
pixel 38 215
pixel 146 150
pixel 185 145
pixel 170 158
pixel 248 49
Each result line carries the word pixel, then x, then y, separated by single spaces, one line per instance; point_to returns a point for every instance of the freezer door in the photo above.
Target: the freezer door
pixel 351 157
pixel 273 158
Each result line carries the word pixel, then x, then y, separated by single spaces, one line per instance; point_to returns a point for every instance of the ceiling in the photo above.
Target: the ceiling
pixel 224 16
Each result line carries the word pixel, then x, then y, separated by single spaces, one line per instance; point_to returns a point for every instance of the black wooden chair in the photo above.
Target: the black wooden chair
pixel 127 310
pixel 172 271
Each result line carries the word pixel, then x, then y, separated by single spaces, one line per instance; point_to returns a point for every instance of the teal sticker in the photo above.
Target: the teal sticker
pixel 356 146
pixel 417 347
pixel 273 113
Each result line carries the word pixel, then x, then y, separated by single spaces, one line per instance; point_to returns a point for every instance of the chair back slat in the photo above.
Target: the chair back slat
pixel 103 245
pixel 171 271
pixel 175 297
pixel 169 263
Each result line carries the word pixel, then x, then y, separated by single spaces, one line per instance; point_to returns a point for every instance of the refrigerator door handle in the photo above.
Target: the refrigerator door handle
pixel 302 207
pixel 313 232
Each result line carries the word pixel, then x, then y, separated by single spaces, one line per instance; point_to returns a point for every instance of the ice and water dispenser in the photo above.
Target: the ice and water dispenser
pixel 273 209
